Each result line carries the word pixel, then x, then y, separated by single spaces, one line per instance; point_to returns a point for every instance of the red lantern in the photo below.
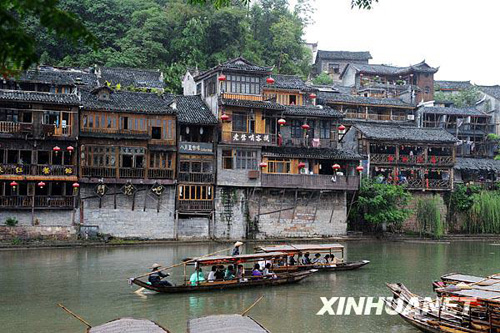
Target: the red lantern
pixel 341 128
pixel 14 184
pixel 359 168
pixel 76 185
pixel 224 117
pixel 336 166
pixel 390 158
pixel 70 149
pixel 270 80
pixel 302 165
pixel 56 149
pixel 222 78
pixel 263 164
pixel 312 96
pixel 305 127
pixel 41 184
pixel 282 122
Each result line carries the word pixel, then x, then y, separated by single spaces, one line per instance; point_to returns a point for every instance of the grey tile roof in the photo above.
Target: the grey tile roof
pixel 312 111
pixel 289 82
pixel 46 75
pixel 493 91
pixel 252 104
pixel 344 55
pixel 361 100
pixel 131 77
pixel 127 101
pixel 405 133
pixel 239 64
pixel 452 85
pixel 391 70
pixel 453 111
pixel 304 152
pixel 192 110
pixel 477 164
pixel 39 97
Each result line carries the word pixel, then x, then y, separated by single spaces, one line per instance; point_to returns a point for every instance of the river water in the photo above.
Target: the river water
pixel 93 283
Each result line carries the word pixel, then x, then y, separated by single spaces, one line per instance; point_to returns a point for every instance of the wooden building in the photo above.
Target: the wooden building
pixel 478 171
pixel 334 62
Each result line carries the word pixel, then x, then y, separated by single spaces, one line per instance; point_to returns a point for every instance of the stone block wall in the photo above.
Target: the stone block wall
pixel 46 217
pixel 231 213
pixel 193 228
pixel 38 232
pixel 131 218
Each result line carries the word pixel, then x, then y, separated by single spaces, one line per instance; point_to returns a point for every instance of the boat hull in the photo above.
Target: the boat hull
pixel 345 266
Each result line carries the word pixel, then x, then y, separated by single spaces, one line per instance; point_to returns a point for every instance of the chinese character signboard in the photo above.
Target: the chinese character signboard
pixel 201 148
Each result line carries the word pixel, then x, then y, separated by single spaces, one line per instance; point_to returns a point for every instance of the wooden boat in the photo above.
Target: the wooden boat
pixel 331 249
pixel 227 323
pixel 277 279
pixel 124 325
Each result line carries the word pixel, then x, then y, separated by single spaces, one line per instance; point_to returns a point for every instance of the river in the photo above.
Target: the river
pixel 93 283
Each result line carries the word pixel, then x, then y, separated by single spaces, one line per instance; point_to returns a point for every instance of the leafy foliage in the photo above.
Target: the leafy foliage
pixel 323 79
pixel 11 221
pixel 363 4
pixel 383 203
pixel 429 216
pixel 463 197
pixel 463 98
pixel 485 214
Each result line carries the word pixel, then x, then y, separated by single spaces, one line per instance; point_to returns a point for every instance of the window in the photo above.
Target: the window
pixel 13 156
pixel 195 192
pixel 292 100
pixel 160 160
pixel 124 123
pixel 296 128
pixel 156 133
pixel 43 157
pixel 227 159
pixel 198 89
pixel 333 68
pixel 241 84
pixel 210 86
pixel 100 156
pixel 52 117
pixel 278 166
pixel 239 121
pixel 324 131
pixel 246 160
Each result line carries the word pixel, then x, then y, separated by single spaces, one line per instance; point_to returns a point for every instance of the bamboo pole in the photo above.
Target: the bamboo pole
pixel 251 306
pixel 74 315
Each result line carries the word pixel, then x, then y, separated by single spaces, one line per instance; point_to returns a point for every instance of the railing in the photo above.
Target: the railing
pixel 9 127
pixel 131 173
pixel 196 177
pixel 411 159
pixel 25 201
pixel 371 116
pixel 327 182
pixel 243 97
pixel 249 138
pixel 37 170
pixel 440 160
pixel 87 130
pixel 382 158
pixel 195 205
pixel 161 174
pixel 62 131
pixel 98 172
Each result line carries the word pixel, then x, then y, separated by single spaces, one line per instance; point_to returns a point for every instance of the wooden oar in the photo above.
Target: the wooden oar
pixel 251 306
pixel 74 315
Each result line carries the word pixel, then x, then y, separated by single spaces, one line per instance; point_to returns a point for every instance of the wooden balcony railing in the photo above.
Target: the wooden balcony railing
pixel 37 170
pixel 131 173
pixel 243 97
pixel 161 174
pixel 9 127
pixel 195 205
pixel 440 160
pixel 411 159
pixel 372 116
pixel 265 139
pixel 382 158
pixel 98 172
pixel 326 182
pixel 196 177
pixel 45 201
pixel 87 130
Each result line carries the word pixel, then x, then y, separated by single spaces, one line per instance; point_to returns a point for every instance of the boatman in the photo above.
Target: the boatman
pixel 236 249
pixel 157 275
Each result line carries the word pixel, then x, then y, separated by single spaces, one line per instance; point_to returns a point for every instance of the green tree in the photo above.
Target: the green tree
pixel 323 79
pixel 461 99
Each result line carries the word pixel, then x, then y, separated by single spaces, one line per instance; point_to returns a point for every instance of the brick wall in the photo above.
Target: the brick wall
pixel 42 217
pixel 37 232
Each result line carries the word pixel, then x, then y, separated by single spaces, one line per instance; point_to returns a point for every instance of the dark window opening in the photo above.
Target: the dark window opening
pixel 239 121
pixel 292 100
pixel 43 157
pixel 68 158
pixel 139 161
pixel 27 118
pixel 57 189
pixel 126 161
pixel 156 133
pixel 227 159
pixel 25 157
pixel 57 158
pixel 124 122
pixel 13 156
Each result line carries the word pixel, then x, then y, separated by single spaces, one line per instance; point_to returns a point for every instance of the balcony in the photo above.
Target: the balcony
pixel 196 177
pixel 254 139
pixel 411 159
pixel 316 182
pixel 98 172
pixel 193 206
pixel 380 117
pixel 10 127
pixel 161 174
pixel 440 160
pixel 126 173
pixel 243 97
pixel 37 170
pixel 114 131
pixel 131 173
pixel 26 202
pixel 428 184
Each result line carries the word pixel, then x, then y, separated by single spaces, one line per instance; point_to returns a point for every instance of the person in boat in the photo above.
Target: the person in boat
pixel 300 259
pixel 333 260
pixel 306 260
pixel 219 273
pixel 197 277
pixel 156 277
pixel 240 273
pixel 211 274
pixel 326 260
pixel 317 258
pixel 291 261
pixel 256 271
pixel 236 249
pixel 229 273
pixel 281 261
pixel 267 271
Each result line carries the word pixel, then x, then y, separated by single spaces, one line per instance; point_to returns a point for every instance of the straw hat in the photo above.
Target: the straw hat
pixel 238 244
pixel 155 265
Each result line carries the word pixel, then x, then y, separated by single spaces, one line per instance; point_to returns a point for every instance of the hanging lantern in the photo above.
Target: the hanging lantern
pixel 282 122
pixel 224 117
pixel 263 164
pixel 221 78
pixel 336 167
pixel 302 165
pixel 312 95
pixel 41 184
pixel 70 149
pixel 359 168
pixel 56 149
pixel 270 80
pixel 75 185
pixel 341 128
pixel 14 185
pixel 305 127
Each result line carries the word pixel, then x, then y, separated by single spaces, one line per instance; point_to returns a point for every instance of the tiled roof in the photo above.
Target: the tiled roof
pixel 192 110
pixel 46 75
pixel 361 100
pixel 493 91
pixel 405 133
pixel 344 55
pixel 452 85
pixel 131 77
pixel 289 82
pixel 304 152
pixel 252 104
pixel 38 97
pixel 313 111
pixel 453 111
pixel 126 101
pixel 477 164
pixel 391 70
pixel 237 64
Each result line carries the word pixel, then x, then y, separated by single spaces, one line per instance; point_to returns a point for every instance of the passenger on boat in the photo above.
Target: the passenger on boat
pixel 197 277
pixel 291 261
pixel 240 272
pixel 316 259
pixel 155 278
pixel 306 260
pixel 256 270
pixel 300 259
pixel 229 273
pixel 333 259
pixel 326 260
pixel 219 274
pixel 281 261
pixel 211 274
pixel 267 271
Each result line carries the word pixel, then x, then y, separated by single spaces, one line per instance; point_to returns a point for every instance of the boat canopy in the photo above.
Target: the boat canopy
pixel 128 325
pixel 334 247
pixel 237 259
pixel 226 323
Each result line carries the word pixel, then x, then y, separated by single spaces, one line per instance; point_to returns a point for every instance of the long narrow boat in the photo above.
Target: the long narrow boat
pixel 277 279
pixel 330 249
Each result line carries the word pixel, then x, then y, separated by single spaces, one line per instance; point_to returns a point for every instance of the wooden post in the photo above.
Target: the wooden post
pixel 176 224
pixel 114 196
pixel 133 200
pixel 158 203
pixel 281 206
pixel 294 206
pixel 33 207
pixel 145 199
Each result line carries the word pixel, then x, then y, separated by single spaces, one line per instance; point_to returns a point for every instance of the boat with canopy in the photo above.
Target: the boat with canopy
pixel 334 251
pixel 275 279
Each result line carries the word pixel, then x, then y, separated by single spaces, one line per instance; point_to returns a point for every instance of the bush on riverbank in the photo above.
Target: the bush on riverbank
pixel 429 217
pixel 11 222
pixel 484 214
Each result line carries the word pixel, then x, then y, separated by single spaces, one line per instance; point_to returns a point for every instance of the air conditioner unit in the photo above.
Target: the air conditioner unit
pixel 411 117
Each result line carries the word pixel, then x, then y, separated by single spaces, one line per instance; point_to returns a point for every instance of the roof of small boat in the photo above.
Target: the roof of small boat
pixel 300 247
pixel 467 278
pixel 225 323
pixel 128 325
pixel 239 258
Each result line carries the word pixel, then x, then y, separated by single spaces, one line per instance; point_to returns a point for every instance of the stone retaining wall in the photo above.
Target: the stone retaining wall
pixel 67 233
